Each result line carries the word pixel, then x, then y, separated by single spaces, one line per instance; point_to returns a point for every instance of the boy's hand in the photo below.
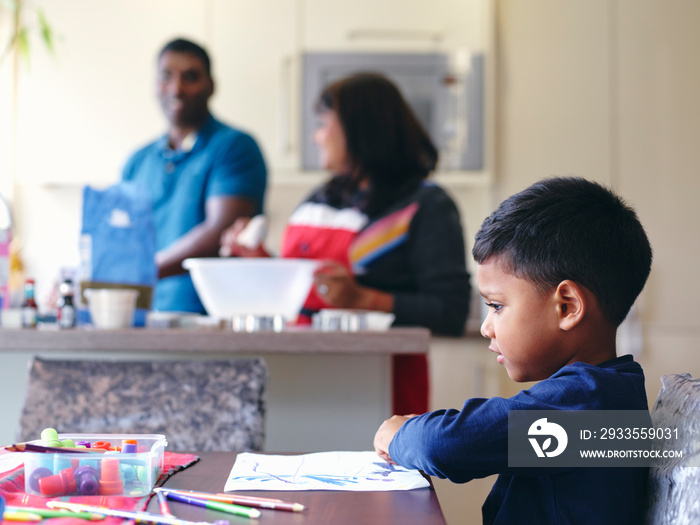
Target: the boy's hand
pixel 386 432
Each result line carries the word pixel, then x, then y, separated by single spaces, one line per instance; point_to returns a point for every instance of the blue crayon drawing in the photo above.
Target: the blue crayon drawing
pixel 354 471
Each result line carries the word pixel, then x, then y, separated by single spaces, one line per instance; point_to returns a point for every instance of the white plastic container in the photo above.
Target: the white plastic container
pixel 110 308
pixel 230 287
pixel 137 471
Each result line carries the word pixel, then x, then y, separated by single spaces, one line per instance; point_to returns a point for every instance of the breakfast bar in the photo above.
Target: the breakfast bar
pixel 197 341
pixel 326 390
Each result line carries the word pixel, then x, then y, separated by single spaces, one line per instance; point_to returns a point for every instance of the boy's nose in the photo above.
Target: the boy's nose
pixel 487 328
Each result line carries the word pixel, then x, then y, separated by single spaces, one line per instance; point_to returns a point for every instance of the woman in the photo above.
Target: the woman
pixel 390 240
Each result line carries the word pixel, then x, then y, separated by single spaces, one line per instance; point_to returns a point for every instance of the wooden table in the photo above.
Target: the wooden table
pixel 323 507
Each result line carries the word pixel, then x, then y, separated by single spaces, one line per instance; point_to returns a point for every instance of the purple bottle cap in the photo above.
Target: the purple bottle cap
pixel 85 444
pixel 36 475
pixel 87 480
pixel 86 469
pixel 88 485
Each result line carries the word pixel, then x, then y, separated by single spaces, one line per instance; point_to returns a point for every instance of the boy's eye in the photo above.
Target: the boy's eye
pixel 496 307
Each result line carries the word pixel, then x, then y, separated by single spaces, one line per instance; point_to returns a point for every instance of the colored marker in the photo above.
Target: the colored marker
pixel 50 513
pixel 12 515
pixel 214 496
pixel 249 501
pixel 215 505
pixel 163 504
pixel 138 517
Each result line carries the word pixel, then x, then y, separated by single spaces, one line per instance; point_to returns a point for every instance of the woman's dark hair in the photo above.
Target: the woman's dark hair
pixel 570 228
pixel 385 141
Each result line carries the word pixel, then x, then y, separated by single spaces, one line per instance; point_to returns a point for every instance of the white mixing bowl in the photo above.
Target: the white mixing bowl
pixel 232 286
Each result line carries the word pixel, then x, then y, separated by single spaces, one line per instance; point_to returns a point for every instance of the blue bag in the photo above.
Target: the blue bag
pixel 117 242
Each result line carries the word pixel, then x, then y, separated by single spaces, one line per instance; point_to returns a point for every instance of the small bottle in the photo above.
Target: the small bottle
pixel 29 309
pixel 66 308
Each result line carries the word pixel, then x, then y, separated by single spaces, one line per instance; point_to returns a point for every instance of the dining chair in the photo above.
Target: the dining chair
pixel 674 483
pixel 196 404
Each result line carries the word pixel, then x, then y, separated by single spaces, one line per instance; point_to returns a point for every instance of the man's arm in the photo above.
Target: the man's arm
pixel 203 239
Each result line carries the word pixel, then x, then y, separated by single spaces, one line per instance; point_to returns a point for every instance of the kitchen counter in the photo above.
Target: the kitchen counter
pixel 326 390
pixel 214 340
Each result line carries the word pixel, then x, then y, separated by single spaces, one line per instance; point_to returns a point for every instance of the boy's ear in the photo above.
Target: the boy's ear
pixel 571 304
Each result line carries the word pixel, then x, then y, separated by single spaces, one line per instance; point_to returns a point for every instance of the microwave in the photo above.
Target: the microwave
pixel 450 105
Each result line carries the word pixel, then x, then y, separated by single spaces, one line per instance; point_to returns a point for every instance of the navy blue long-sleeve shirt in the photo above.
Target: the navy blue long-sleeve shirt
pixel 473 443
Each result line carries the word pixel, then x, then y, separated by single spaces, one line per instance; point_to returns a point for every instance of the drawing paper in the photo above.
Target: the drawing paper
pixel 352 471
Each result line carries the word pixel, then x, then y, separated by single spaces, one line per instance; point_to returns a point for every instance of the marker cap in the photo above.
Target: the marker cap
pixel 36 475
pixel 110 481
pixel 58 484
pixel 87 479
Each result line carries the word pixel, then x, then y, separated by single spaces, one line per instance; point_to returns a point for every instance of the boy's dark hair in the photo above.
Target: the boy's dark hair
pixel 385 140
pixel 181 45
pixel 571 228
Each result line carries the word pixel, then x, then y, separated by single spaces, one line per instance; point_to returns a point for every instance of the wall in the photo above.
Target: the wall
pixel 607 89
pixel 659 119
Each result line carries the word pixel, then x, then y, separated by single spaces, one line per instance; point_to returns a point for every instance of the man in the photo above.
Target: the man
pixel 202 174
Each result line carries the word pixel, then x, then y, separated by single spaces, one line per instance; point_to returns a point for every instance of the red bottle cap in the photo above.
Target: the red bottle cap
pixel 58 484
pixel 104 445
pixel 110 481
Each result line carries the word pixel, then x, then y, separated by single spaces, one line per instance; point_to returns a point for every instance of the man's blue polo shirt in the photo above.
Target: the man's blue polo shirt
pixel 222 162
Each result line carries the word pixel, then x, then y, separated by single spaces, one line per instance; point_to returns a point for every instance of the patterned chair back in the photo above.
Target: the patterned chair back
pixel 674 482
pixel 198 405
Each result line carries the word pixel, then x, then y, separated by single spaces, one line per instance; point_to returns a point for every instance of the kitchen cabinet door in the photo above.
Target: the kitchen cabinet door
pixel 395 25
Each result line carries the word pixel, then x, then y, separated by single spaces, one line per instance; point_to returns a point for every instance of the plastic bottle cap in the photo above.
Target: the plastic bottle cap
pixel 49 438
pixel 61 462
pixel 36 475
pixel 110 480
pixel 87 480
pixel 128 473
pixel 142 473
pixel 104 445
pixel 59 484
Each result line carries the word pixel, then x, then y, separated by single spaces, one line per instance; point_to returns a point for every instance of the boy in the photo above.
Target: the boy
pixel 559 265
